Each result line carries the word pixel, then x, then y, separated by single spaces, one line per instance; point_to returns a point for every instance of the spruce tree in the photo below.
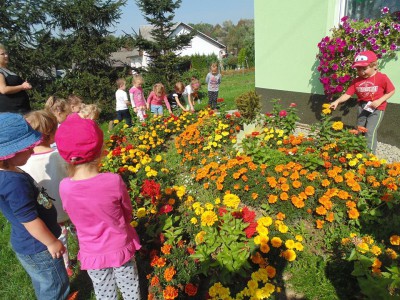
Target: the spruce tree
pixel 163 48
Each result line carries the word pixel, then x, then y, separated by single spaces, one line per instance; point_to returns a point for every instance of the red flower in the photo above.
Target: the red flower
pixel 292 104
pixel 190 250
pixel 222 211
pixel 237 114
pixel 191 289
pixel 248 215
pixel 165 209
pixel 150 189
pixel 283 113
pixel 268 114
pixel 255 133
pixel 228 116
pixel 219 100
pixel 251 229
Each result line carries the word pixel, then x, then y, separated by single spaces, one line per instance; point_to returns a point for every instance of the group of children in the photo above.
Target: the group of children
pixel 182 97
pixel 49 175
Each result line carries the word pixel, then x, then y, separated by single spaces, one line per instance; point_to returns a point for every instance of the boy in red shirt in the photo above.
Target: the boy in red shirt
pixel 373 89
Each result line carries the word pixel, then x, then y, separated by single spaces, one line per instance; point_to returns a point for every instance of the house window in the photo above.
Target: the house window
pixel 369 9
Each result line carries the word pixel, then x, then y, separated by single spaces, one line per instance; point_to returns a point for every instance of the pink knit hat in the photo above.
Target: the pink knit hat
pixel 79 140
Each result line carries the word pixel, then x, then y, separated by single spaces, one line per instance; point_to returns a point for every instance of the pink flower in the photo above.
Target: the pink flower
pixel 283 113
pixel 385 10
pixel 292 104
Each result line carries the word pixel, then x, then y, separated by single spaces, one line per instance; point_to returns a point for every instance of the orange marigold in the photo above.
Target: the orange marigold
pixel 296 184
pixel 309 190
pixel 170 293
pixel 191 289
pixel 169 273
pixel 321 210
pixel 320 223
pixel 353 213
pixel 284 196
pixel 166 249
pixel 154 281
pixel 272 198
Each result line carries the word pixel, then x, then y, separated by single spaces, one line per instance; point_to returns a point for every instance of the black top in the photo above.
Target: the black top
pixel 172 101
pixel 17 102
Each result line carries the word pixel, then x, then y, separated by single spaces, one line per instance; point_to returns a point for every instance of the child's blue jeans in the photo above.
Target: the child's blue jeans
pixel 48 275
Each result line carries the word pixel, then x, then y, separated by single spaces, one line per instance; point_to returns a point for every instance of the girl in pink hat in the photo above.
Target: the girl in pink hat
pixel 99 206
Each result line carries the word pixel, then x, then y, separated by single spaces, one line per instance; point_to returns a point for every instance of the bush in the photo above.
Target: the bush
pixel 248 105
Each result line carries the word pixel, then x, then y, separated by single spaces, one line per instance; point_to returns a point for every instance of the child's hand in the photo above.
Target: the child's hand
pixel 333 105
pixel 56 249
pixel 374 104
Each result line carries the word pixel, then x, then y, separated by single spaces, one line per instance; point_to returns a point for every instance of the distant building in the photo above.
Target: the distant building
pixel 201 44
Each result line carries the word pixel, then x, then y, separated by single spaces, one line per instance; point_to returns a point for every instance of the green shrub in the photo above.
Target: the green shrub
pixel 248 105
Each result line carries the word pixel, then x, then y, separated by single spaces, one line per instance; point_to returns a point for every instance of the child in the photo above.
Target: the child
pixel 122 103
pixel 74 103
pixel 99 207
pixel 154 101
pixel 59 107
pixel 175 98
pixel 189 92
pixel 137 97
pixel 47 168
pixel 89 111
pixel 33 218
pixel 373 89
pixel 213 80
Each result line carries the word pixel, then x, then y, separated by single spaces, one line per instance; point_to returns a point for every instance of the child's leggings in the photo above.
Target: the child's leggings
pixel 126 277
pixel 212 99
pixel 371 121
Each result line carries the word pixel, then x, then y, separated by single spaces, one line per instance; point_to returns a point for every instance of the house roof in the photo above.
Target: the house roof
pixel 145 32
pixel 123 57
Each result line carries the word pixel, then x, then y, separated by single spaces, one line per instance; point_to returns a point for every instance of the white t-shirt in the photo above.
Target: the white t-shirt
pixel 188 90
pixel 48 169
pixel 121 96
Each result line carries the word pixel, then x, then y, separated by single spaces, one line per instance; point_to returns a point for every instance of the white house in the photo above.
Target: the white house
pixel 201 44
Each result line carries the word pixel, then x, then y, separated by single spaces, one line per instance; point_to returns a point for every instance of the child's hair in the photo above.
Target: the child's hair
pixel 120 82
pixel 74 101
pixel 137 78
pixel 195 84
pixel 179 87
pixel 214 68
pixel 43 121
pixel 89 111
pixel 54 104
pixel 159 89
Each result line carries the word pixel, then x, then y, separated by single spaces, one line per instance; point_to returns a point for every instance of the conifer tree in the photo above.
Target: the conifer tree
pixel 162 49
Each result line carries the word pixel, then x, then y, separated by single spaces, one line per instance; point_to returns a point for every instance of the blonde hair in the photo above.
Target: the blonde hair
pixel 179 87
pixel 137 78
pixel 89 111
pixel 120 82
pixel 74 100
pixel 159 89
pixel 43 121
pixel 55 104
pixel 3 47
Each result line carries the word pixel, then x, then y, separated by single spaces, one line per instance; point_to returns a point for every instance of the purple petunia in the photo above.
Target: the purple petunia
pixel 385 10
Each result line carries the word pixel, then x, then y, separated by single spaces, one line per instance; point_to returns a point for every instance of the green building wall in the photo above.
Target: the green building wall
pixel 286 36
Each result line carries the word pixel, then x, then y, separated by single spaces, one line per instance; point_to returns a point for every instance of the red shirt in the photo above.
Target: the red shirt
pixel 371 88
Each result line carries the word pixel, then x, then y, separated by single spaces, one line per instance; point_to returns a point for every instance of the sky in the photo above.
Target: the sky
pixel 191 11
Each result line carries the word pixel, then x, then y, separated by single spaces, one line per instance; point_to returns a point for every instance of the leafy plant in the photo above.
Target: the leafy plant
pixel 248 105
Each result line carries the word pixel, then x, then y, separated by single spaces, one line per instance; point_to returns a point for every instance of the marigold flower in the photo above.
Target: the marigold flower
pixel 395 240
pixel 276 242
pixel 200 237
pixel 231 200
pixel 190 289
pixel 208 218
pixel 154 281
pixel 320 223
pixel 166 249
pixel 289 255
pixel 170 293
pixel 309 190
pixel 353 213
pixel 169 273
pixel 272 199
pixel 289 244
pixel 337 125
pixel 264 248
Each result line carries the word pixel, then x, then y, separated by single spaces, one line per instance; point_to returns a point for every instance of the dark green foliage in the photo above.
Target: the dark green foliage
pixel 248 105
pixel 203 62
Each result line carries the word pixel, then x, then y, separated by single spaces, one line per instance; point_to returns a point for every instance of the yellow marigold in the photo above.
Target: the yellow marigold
pixel 363 247
pixel 217 201
pixel 337 125
pixel 200 237
pixel 196 205
pixel 208 218
pixel 252 284
pixel 276 242
pixel 193 220
pixel 326 111
pixel 391 253
pixel 158 158
pixel 289 255
pixel 298 246
pixel 231 200
pixel 141 212
pixel 395 240
pixel 283 228
pixel 209 206
pixel 289 244
pixel 375 250
pixel 265 221
pixel 298 238
pixel 262 230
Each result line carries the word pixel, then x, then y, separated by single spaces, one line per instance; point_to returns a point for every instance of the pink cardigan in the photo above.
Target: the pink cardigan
pixel 101 211
pixel 155 100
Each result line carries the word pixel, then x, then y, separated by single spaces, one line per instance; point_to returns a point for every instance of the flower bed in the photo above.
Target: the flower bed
pixel 230 232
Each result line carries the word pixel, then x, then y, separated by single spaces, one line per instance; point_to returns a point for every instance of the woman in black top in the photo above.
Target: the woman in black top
pixel 13 96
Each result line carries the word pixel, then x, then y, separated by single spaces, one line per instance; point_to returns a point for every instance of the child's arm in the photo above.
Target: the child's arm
pixel 376 103
pixel 39 231
pixel 190 100
pixel 167 104
pixel 179 103
pixel 132 98
pixel 149 99
pixel 340 100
